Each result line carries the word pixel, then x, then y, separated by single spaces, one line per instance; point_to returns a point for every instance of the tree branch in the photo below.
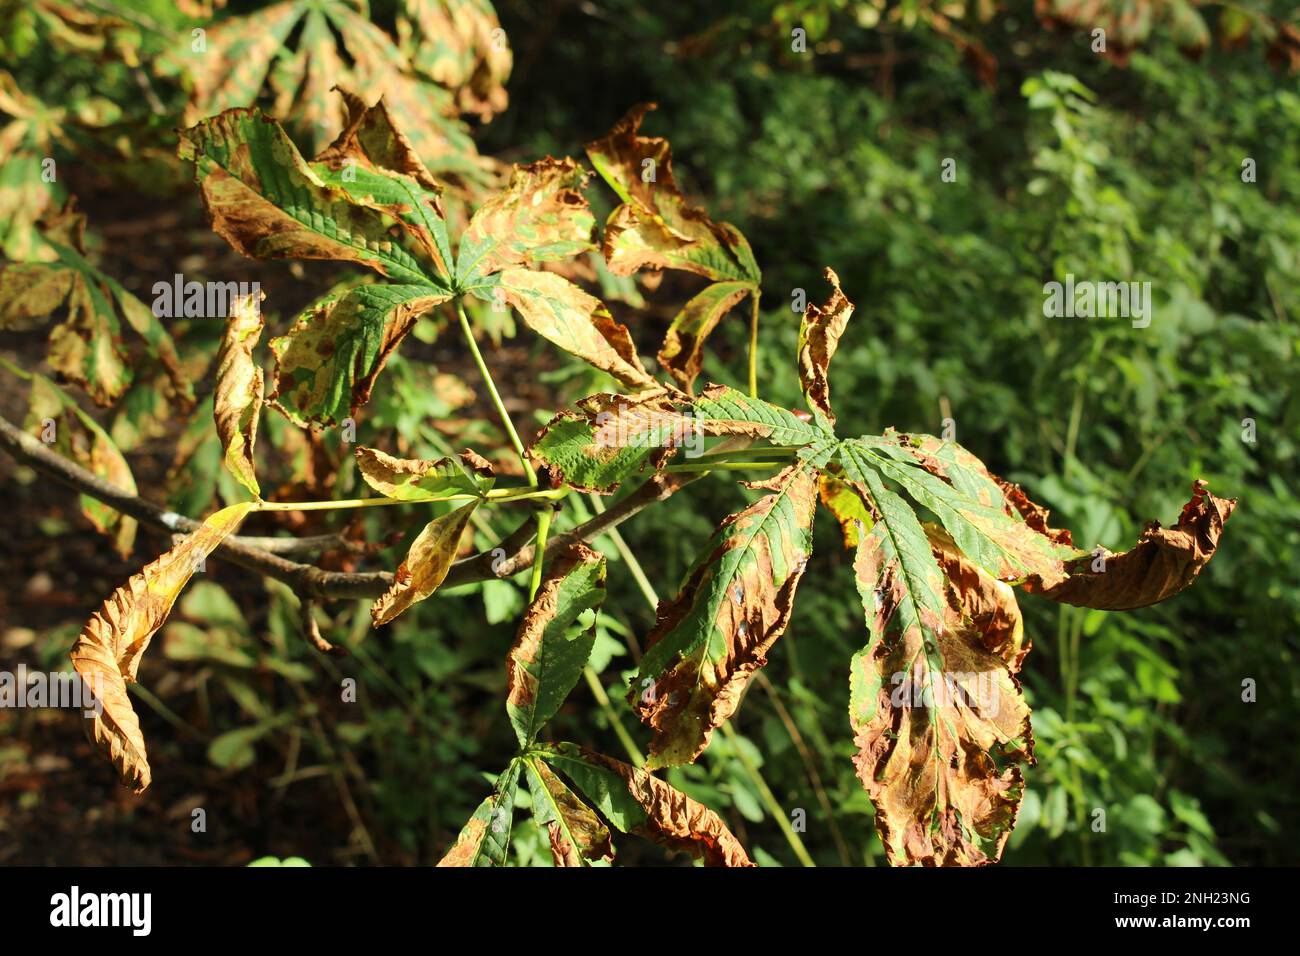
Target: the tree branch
pixel 266 556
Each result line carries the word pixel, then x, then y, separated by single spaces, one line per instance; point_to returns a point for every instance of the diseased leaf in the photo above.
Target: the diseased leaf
pixel 710 639
pixel 564 315
pixel 847 506
pixel 1163 562
pixel 485 839
pixel 971 507
pixel 327 363
pixel 426 564
pixel 238 397
pixel 578 837
pixel 414 479
pixel 552 646
pixel 28 132
pixel 459 44
pixel 88 347
pixel 682 353
pixel 79 438
pixel 635 802
pixel 111 644
pixel 819 337
pixel 655 226
pixel 541 216
pixel 937 714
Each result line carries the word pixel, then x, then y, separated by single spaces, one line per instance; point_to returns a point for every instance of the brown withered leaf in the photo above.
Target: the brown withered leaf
pixel 710 639
pixel 682 353
pixel 108 652
pixel 633 801
pixel 237 402
pixel 1160 565
pixel 413 479
pixel 577 835
pixel 426 564
pixel 819 337
pixel 937 713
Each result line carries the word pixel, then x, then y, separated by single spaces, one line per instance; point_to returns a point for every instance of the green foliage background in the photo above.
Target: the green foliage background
pixel 1067 164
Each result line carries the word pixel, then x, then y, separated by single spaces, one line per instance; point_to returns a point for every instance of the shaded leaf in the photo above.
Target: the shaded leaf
pixel 633 801
pixel 710 639
pixel 327 363
pixel 485 838
pixel 460 45
pixel 426 564
pixel 552 646
pixel 578 837
pixel 682 353
pixel 108 652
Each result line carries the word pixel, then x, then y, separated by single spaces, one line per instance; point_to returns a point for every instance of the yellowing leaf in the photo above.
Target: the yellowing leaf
pixel 1163 562
pixel 108 652
pixel 578 837
pixel 710 639
pixel 414 479
pixel 563 314
pixel 682 353
pixel 656 227
pixel 238 397
pixel 79 438
pixel 633 801
pixel 819 336
pixel 541 216
pixel 552 647
pixel 426 564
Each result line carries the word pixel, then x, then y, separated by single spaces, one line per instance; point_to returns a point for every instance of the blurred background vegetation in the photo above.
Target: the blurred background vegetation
pixel 1122 166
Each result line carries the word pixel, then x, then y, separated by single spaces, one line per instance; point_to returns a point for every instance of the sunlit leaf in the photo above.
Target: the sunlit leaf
pixel 578 837
pixel 108 652
pixel 238 397
pixel 425 566
pixel 485 839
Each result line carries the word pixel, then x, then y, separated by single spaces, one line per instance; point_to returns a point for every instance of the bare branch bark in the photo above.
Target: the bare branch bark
pixel 509 557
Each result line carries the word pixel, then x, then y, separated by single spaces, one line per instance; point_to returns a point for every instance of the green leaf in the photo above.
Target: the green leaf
pixel 633 801
pixel 578 837
pixel 682 353
pixel 710 639
pixel 485 839
pixel 327 363
pixel 553 645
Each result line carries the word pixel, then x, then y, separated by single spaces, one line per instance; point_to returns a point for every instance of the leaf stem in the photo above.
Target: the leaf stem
pixel 753 345
pixel 495 395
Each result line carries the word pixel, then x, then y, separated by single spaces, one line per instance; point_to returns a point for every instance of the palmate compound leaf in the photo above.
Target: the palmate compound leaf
pixel 108 652
pixel 577 835
pixel 656 228
pixel 368 199
pixel 79 437
pixel 553 643
pixel 88 347
pixel 426 564
pixel 938 717
pixel 710 639
pixel 633 801
pixel 237 400
pixel 611 439
pixel 485 838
